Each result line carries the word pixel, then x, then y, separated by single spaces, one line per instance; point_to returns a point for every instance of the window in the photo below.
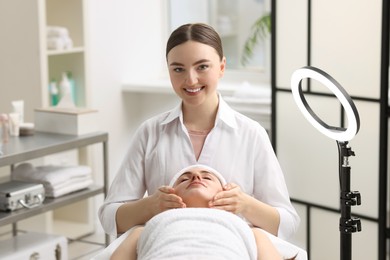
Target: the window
pixel 233 19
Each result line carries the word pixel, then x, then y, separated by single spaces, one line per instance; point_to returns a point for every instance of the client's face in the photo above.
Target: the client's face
pixel 197 187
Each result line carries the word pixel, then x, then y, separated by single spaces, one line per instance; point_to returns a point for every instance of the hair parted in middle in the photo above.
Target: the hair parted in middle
pixel 198 32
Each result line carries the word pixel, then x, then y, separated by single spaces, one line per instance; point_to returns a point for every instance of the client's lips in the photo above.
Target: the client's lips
pixel 196 183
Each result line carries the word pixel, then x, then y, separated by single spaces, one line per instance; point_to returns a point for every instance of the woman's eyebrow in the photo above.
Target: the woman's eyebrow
pixel 195 63
pixel 176 64
pixel 201 61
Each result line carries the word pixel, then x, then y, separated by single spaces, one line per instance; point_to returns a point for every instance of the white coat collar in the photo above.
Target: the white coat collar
pixel 225 114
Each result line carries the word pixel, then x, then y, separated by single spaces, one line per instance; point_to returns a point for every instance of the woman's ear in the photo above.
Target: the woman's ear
pixel 222 67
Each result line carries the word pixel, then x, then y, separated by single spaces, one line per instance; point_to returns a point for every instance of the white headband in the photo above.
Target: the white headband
pixel 189 168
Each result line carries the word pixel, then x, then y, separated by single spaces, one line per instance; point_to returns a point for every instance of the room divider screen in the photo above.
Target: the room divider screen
pixel 350 41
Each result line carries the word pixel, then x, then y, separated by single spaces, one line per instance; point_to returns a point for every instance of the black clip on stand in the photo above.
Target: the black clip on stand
pixel 348 198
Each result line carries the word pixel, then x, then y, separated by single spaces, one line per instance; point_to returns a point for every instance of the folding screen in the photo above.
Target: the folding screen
pixel 345 39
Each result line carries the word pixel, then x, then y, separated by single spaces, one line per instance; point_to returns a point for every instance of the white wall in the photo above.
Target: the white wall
pixel 125 40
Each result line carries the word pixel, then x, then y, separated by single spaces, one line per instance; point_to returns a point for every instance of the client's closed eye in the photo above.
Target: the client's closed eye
pixel 183 180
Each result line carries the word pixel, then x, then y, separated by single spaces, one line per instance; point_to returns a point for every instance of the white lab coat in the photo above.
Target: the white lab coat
pixel 237 147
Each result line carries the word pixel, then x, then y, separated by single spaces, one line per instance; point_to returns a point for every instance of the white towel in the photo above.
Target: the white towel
pixel 56 31
pixel 57 180
pixel 197 233
pixel 58 38
pixel 71 186
pixel 59 43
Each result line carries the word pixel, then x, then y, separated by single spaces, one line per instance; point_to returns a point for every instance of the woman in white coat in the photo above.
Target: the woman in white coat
pixel 203 129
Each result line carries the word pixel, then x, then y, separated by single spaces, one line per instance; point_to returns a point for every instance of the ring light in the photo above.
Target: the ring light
pixel 336 133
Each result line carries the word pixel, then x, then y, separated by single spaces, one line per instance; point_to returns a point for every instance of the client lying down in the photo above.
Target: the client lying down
pixel 197 231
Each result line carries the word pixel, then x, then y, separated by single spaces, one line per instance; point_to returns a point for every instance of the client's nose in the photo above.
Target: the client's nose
pixel 196 176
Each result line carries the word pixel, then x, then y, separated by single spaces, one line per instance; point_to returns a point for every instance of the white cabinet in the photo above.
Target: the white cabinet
pixel 27 66
pixel 69 14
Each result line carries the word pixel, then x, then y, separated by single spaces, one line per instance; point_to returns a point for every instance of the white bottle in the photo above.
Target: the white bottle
pixel 66 93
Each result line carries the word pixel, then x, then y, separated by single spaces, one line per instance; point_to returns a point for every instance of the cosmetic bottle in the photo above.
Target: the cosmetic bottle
pixel 14 124
pixel 4 128
pixel 54 93
pixel 72 85
pixel 18 107
pixel 66 100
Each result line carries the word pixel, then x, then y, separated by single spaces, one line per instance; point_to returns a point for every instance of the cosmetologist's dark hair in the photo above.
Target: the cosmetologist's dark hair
pixel 198 32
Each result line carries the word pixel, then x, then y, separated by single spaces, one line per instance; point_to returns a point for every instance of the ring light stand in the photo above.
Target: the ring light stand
pixel 348 198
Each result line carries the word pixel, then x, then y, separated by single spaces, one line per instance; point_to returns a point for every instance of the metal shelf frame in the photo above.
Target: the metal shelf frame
pixel 19 149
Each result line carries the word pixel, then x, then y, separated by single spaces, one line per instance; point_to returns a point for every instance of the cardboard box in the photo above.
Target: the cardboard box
pixel 34 245
pixel 71 121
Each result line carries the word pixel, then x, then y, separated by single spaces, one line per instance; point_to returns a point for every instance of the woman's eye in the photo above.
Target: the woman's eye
pixel 203 67
pixel 178 69
pixel 207 178
pixel 183 180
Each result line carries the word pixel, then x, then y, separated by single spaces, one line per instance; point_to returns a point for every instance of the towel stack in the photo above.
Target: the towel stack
pixel 58 38
pixel 57 180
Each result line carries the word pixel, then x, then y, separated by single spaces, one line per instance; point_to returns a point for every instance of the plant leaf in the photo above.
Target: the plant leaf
pixel 260 29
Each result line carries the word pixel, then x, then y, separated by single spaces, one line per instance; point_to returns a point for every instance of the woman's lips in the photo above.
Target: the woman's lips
pixel 193 90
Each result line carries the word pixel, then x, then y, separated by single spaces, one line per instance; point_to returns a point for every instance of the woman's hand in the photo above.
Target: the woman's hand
pixel 231 199
pixel 259 214
pixel 165 198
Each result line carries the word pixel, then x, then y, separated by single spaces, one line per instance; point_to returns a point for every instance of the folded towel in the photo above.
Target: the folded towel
pixel 57 180
pixel 193 233
pixel 57 31
pixel 69 188
pixel 59 43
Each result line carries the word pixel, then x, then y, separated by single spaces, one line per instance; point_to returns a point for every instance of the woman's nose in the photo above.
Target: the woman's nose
pixel 192 78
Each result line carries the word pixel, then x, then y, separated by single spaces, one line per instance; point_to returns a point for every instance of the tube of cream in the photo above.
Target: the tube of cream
pixel 18 107
pixel 4 127
pixel 14 124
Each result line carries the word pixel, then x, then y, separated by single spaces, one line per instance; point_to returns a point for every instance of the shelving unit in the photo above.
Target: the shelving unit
pixel 27 68
pixel 28 65
pixel 71 15
pixel 41 144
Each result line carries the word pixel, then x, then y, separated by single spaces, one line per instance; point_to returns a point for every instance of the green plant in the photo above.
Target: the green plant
pixel 259 31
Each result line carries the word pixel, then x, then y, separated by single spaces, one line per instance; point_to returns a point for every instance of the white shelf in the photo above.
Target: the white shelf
pixel 69 51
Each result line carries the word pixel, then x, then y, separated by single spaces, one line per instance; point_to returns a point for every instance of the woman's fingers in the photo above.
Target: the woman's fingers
pixel 230 199
pixel 168 200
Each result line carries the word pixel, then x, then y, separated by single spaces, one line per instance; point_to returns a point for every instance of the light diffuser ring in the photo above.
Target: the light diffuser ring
pixel 336 133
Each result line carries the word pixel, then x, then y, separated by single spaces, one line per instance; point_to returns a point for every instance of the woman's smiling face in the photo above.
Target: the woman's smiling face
pixel 195 69
pixel 197 187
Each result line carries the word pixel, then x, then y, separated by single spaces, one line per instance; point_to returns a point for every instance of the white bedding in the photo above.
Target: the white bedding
pixel 213 233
